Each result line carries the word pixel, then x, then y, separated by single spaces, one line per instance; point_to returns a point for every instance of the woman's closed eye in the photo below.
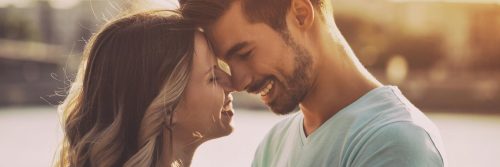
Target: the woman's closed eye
pixel 220 77
pixel 213 79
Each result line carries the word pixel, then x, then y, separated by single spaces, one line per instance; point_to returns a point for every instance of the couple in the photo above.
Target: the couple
pixel 150 90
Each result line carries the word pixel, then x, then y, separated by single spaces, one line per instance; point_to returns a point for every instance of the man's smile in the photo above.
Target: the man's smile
pixel 263 88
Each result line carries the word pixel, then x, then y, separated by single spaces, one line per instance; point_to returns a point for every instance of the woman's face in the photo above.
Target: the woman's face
pixel 206 108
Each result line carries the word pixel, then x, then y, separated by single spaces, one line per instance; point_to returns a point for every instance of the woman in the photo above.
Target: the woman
pixel 148 93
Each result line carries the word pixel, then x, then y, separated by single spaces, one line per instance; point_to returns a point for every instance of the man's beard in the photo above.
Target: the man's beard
pixel 298 84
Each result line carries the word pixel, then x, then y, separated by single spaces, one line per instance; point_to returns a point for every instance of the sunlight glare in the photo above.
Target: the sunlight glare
pixel 63 4
pixel 453 1
pixel 170 4
pixel 16 3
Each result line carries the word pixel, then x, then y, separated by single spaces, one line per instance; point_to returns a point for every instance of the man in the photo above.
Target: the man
pixel 292 54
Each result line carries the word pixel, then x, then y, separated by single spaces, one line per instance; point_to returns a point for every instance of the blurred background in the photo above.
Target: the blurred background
pixel 443 54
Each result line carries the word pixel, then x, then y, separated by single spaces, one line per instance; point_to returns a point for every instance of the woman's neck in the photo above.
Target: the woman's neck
pixel 178 158
pixel 179 150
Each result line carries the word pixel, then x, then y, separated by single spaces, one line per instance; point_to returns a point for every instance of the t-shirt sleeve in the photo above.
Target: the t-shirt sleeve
pixel 398 144
pixel 259 156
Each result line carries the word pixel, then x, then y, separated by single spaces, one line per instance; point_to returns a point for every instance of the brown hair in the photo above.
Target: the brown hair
pixel 271 12
pixel 133 74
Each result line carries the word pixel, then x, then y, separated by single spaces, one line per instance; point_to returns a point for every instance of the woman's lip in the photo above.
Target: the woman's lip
pixel 228 113
pixel 227 108
pixel 229 99
pixel 228 102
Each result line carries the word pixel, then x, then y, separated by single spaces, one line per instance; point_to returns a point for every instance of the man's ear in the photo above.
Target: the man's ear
pixel 303 13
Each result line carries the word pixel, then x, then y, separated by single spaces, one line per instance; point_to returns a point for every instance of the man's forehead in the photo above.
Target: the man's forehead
pixel 216 43
pixel 229 29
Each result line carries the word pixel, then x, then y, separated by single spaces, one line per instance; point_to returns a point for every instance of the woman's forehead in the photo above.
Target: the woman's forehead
pixel 204 57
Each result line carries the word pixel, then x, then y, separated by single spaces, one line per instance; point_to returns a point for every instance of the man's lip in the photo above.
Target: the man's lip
pixel 259 87
pixel 271 94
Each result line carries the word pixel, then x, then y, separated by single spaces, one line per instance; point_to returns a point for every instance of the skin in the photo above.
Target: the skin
pixel 334 77
pixel 205 111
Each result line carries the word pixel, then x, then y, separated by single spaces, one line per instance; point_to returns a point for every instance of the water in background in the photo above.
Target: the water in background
pixel 30 137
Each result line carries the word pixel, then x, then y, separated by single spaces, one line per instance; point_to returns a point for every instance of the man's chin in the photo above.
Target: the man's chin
pixel 283 109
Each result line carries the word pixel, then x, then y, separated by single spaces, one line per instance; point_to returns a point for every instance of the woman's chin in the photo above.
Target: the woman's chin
pixel 228 130
pixel 226 126
pixel 225 130
pixel 221 131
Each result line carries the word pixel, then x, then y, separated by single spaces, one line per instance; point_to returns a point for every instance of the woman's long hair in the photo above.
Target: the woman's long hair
pixel 133 74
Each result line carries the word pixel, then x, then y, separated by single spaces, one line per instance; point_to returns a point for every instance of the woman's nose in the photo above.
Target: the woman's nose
pixel 228 86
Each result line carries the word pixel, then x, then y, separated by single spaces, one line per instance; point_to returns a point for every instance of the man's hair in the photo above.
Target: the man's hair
pixel 271 12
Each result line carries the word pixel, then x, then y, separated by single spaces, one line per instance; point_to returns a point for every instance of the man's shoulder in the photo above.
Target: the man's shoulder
pixel 402 131
pixel 406 142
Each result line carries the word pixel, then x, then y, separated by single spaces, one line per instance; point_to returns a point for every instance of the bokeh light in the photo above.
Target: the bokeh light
pixel 397 69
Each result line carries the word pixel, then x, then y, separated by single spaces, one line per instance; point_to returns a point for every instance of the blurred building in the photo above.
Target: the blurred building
pixel 40 48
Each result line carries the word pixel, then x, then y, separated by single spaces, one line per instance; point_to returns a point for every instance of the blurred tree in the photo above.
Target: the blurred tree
pixel 16 25
pixel 485 38
pixel 375 45
pixel 421 52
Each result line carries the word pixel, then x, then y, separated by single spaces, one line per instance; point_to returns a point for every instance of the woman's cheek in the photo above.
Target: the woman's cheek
pixel 218 98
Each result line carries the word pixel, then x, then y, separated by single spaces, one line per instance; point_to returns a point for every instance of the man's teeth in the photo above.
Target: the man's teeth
pixel 267 89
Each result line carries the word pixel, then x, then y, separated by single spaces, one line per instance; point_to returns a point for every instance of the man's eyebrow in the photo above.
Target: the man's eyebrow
pixel 235 49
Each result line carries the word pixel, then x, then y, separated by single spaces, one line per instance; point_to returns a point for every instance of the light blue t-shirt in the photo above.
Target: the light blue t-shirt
pixel 380 129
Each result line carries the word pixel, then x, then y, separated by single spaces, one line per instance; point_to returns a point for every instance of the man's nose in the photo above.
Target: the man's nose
pixel 225 82
pixel 228 88
pixel 240 79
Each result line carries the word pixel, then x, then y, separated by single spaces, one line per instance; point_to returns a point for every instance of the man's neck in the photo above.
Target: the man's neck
pixel 339 81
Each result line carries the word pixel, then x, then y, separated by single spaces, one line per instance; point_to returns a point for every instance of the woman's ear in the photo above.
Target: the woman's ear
pixel 302 12
pixel 174 114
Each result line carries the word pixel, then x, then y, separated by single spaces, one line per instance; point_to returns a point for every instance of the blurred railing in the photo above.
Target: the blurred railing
pixel 30 73
pixel 31 51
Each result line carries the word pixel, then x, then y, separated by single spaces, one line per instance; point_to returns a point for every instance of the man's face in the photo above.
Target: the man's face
pixel 262 60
